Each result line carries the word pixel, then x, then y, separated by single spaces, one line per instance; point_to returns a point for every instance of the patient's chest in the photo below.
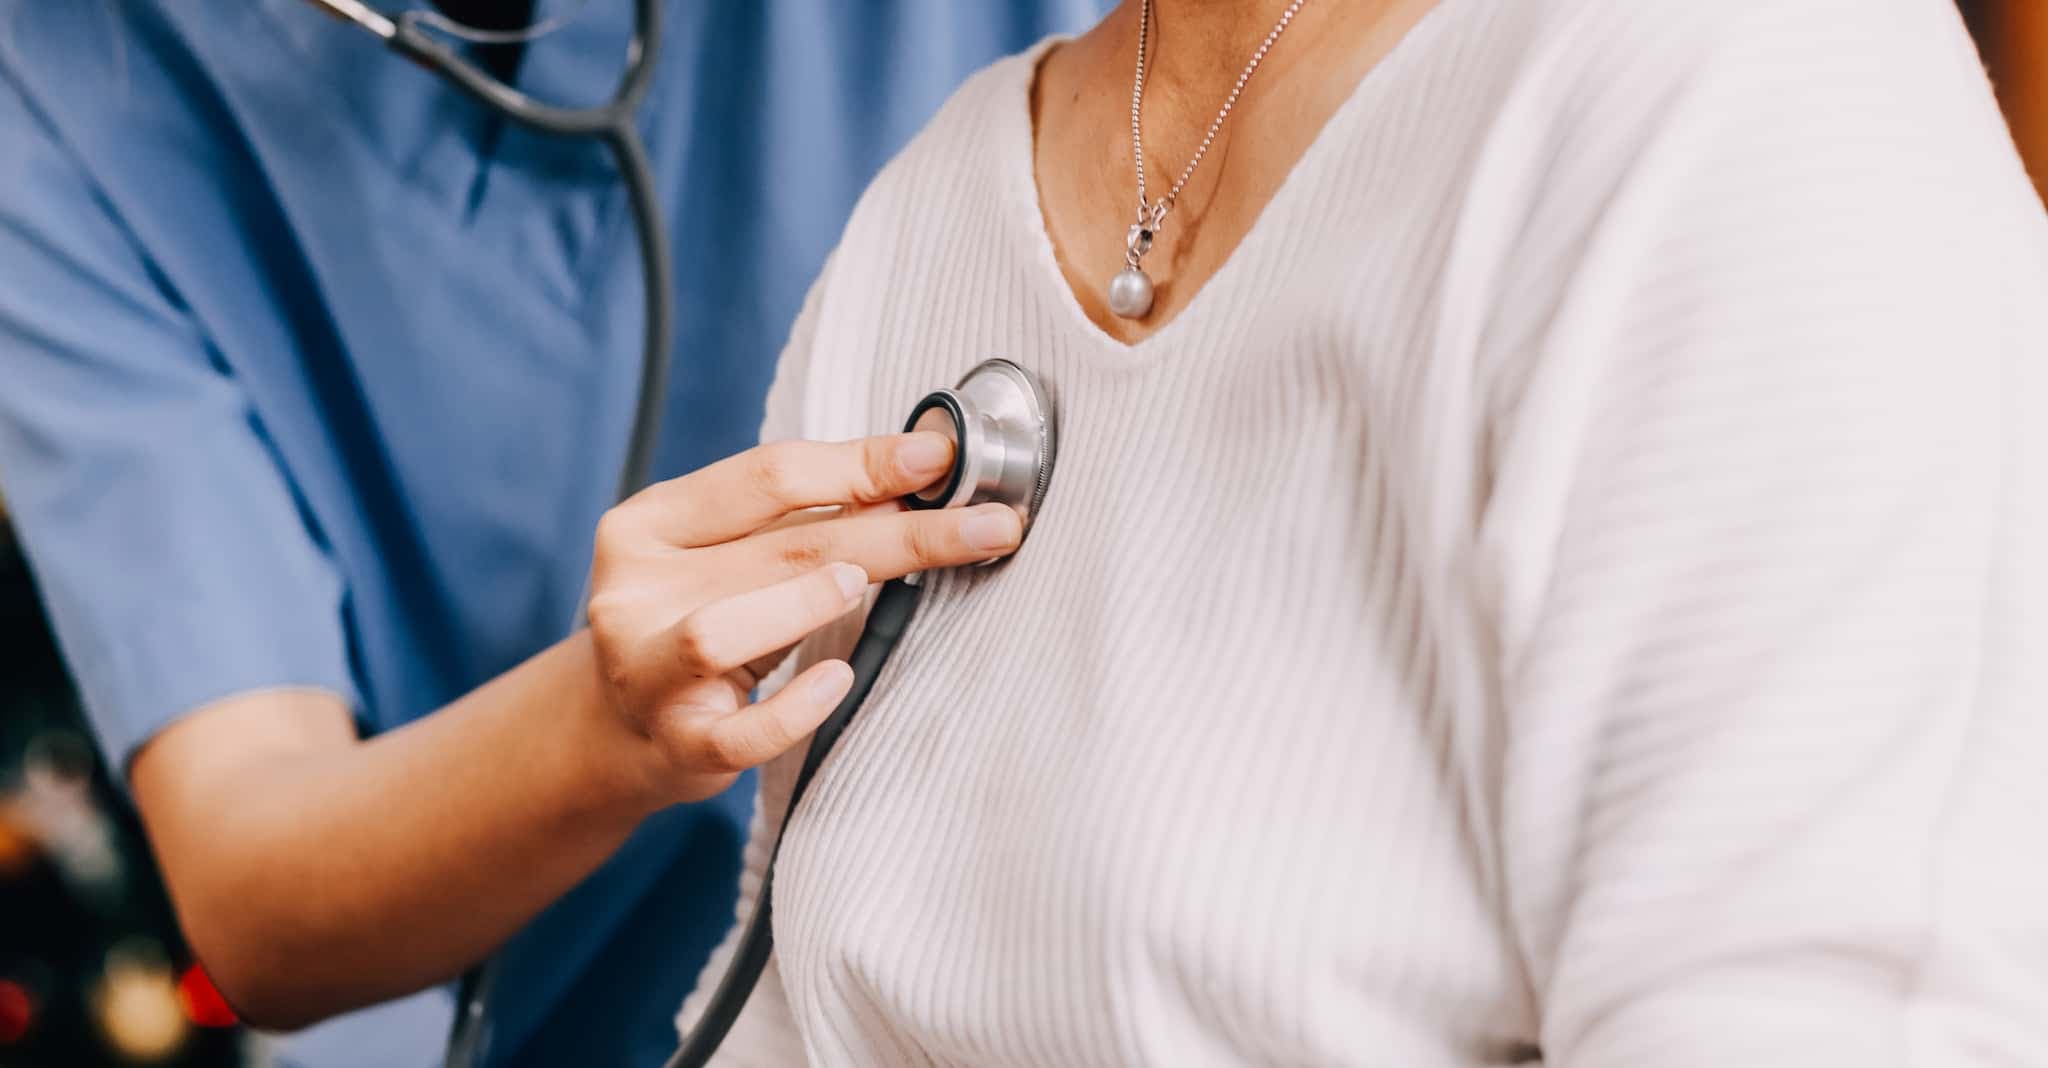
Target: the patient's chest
pixel 1207 748
pixel 1188 754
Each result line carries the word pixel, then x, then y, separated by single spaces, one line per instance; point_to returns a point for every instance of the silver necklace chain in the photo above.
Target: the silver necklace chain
pixel 1150 213
pixel 1130 293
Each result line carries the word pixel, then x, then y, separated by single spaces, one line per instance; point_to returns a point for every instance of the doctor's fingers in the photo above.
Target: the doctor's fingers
pixel 820 515
pixel 886 545
pixel 741 494
pixel 733 632
pixel 762 731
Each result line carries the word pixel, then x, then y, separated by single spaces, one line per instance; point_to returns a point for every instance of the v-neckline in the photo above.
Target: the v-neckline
pixel 1018 155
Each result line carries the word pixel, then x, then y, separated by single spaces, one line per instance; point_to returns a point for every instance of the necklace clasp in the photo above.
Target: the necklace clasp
pixel 1138 239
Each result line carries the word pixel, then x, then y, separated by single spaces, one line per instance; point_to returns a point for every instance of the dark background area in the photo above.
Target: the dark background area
pixel 92 970
pixel 90 960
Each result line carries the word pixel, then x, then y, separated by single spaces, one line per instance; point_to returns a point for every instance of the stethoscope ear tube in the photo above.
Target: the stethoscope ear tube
pixel 886 623
pixel 611 122
pixel 409 36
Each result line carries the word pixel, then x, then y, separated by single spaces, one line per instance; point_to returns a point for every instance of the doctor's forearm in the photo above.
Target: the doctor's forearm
pixel 315 873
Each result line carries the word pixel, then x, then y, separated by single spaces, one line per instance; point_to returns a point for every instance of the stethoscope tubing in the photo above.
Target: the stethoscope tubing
pixel 886 622
pixel 613 123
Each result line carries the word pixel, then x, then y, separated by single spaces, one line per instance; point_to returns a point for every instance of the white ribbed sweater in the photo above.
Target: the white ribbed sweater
pixel 1570 588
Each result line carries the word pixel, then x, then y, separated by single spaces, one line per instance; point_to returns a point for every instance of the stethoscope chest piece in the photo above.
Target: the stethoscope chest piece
pixel 1000 420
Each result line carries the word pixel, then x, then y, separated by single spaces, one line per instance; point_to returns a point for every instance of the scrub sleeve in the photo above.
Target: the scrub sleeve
pixel 171 552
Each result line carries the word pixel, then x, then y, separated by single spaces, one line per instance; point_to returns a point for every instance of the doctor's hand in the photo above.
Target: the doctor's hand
pixel 701 584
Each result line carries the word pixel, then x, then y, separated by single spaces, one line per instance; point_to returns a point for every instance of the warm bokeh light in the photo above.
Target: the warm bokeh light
pixel 17 846
pixel 137 1006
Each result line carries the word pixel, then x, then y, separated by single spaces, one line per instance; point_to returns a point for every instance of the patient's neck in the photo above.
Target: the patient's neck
pixel 1081 123
pixel 1198 47
pixel 1218 25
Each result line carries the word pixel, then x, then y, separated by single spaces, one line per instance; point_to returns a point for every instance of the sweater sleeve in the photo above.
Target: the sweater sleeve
pixel 1766 538
pixel 168 543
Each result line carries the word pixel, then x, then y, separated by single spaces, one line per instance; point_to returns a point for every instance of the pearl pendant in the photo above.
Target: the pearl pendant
pixel 1130 294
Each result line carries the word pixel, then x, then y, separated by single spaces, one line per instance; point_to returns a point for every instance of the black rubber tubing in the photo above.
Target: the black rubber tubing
pixel 886 624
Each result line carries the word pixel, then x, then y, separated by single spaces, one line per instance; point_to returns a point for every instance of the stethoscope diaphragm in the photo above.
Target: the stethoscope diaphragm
pixel 1000 420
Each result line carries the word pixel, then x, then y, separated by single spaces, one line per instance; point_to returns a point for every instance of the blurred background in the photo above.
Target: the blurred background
pixel 92 971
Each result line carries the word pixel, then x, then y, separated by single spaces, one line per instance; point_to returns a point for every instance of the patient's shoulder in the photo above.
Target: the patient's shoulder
pixel 1675 28
pixel 1605 61
pixel 1745 99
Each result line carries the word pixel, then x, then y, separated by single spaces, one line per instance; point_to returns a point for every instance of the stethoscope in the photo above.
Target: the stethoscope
pixel 1001 422
pixel 999 417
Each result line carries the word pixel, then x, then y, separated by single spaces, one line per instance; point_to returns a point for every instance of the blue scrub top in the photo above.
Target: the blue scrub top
pixel 314 373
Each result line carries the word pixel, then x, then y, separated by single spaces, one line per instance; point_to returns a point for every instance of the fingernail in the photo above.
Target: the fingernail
pixel 923 455
pixel 988 529
pixel 832 680
pixel 852 580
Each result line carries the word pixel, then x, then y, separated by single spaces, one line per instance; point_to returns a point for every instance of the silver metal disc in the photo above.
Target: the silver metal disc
pixel 1001 420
